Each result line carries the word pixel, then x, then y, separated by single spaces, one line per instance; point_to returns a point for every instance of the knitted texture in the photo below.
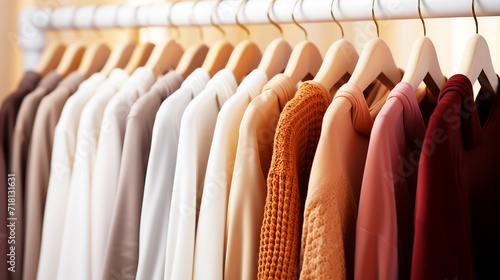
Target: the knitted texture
pixel 329 231
pixel 295 142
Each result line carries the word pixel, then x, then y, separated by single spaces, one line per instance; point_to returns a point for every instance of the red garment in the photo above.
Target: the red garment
pixel 456 210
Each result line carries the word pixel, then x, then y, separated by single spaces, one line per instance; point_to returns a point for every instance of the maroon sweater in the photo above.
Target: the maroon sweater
pixel 457 228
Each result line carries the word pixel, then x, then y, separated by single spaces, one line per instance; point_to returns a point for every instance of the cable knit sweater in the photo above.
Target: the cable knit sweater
pixel 295 143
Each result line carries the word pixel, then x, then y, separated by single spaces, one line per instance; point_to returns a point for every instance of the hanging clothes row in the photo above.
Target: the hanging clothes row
pixel 153 162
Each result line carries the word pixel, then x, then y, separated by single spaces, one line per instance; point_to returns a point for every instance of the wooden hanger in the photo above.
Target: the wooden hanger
pixel 217 57
pixel 95 55
pixel 164 57
pixel 304 62
pixel 94 59
pixel 50 58
pixel 277 53
pixel 194 56
pixel 340 60
pixel 120 54
pixel 51 55
pixel 119 57
pixel 71 58
pixel 139 57
pixel 219 52
pixel 423 64
pixel 245 56
pixel 376 62
pixel 305 59
pixel 275 57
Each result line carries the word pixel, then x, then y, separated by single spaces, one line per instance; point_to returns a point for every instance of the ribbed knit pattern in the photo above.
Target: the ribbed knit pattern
pixel 295 142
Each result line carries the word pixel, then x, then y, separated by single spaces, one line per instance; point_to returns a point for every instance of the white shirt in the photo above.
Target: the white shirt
pixel 197 128
pixel 108 158
pixel 74 262
pixel 210 234
pixel 63 153
pixel 160 176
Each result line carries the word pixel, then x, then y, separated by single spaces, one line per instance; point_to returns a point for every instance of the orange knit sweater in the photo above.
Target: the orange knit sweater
pixel 295 142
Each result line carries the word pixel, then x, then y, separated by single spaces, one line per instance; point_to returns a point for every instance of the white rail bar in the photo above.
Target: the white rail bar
pixel 33 21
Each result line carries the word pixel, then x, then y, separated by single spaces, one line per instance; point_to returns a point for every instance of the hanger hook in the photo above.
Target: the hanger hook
pixel 475 18
pixel 422 19
pixel 169 19
pixel 192 21
pixel 212 19
pixel 336 21
pixel 238 22
pixel 374 19
pixel 296 23
pixel 271 5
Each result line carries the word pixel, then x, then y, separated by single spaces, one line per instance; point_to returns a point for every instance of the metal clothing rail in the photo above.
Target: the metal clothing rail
pixel 33 21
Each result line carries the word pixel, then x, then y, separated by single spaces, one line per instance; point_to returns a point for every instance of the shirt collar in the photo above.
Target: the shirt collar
pixel 115 80
pixel 283 87
pixel 118 75
pixel 361 118
pixel 412 117
pixel 321 88
pixel 253 83
pixel 167 84
pixel 196 81
pixel 72 81
pixel 142 77
pixel 50 80
pixel 29 81
pixel 93 81
pixel 471 127
pixel 224 84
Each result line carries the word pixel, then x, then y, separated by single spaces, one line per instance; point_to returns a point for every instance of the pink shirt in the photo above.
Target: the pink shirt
pixel 384 230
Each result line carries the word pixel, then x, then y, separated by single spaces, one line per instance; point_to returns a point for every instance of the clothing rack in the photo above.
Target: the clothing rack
pixel 34 21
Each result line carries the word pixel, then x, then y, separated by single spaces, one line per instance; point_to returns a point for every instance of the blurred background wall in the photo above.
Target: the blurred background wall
pixel 449 36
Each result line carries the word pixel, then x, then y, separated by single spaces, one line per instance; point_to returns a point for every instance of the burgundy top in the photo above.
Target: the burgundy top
pixel 8 114
pixel 456 208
